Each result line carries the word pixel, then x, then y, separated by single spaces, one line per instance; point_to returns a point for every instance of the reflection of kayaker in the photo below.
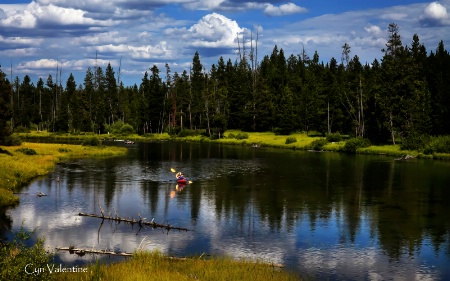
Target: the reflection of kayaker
pixel 180 186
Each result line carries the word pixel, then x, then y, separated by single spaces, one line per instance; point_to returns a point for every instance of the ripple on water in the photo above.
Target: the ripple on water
pixel 352 263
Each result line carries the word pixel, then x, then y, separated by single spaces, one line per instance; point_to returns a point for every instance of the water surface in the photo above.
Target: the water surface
pixel 324 215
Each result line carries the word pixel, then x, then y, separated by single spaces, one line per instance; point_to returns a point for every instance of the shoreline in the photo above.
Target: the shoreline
pixel 255 139
pixel 18 169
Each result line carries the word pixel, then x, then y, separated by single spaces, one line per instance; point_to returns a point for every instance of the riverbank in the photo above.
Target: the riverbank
pixel 301 141
pixel 296 141
pixel 156 266
pixel 21 164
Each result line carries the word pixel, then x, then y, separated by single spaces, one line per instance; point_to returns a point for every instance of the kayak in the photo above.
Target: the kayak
pixel 181 181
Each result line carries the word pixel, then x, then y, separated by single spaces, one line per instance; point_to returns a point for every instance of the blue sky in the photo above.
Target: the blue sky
pixel 36 36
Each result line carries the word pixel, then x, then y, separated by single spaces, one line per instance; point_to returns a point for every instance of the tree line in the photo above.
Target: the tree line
pixel 406 93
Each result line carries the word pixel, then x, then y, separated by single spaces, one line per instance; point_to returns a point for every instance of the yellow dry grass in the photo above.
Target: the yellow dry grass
pixel 18 169
pixel 155 266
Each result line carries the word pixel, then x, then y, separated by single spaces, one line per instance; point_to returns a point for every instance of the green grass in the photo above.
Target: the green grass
pixel 390 150
pixel 267 139
pixel 155 266
pixel 18 169
pixel 44 135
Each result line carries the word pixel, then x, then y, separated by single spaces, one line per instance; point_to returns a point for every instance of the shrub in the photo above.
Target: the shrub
pixel 214 136
pixel 172 131
pixel 4 151
pixel 204 133
pixel 148 135
pixel 119 127
pixel 12 140
pixel 242 136
pixel 92 141
pixel 116 127
pixel 334 137
pixel 315 134
pixel 439 144
pixel 63 149
pixel 15 255
pixel 21 129
pixel 282 131
pixel 34 127
pixel 188 132
pixel 27 151
pixel 127 129
pixel 290 139
pixel 317 145
pixel 353 144
pixel 231 136
pixel 414 141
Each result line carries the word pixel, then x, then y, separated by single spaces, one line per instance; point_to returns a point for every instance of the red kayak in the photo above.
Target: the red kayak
pixel 181 181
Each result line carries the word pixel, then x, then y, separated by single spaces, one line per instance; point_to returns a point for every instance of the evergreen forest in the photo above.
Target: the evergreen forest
pixel 404 95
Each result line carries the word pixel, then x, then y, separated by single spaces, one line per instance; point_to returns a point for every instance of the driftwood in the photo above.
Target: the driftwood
pixel 82 252
pixel 405 157
pixel 132 221
pixel 39 194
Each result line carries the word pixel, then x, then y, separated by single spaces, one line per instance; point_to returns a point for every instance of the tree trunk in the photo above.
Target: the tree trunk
pixel 391 123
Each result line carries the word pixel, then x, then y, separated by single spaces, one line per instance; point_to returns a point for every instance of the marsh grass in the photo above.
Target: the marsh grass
pixel 269 139
pixel 61 137
pixel 290 139
pixel 17 169
pixel 155 266
pixel 389 150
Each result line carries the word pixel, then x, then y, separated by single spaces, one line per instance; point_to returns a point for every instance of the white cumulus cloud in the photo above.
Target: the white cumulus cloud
pixel 18 19
pixel 34 14
pixel 373 30
pixel 434 14
pixel 435 11
pixel 285 9
pixel 213 30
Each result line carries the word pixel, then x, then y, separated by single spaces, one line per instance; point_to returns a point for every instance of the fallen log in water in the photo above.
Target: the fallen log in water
pixel 141 221
pixel 82 252
pixel 39 194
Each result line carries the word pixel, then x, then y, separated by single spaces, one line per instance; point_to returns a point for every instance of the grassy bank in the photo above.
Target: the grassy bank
pixel 44 136
pixel 267 139
pixel 155 266
pixel 300 141
pixel 19 165
pixel 15 255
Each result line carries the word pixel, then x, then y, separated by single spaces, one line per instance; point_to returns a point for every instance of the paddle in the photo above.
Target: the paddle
pixel 174 171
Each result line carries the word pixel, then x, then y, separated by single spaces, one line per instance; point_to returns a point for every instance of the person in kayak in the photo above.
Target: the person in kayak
pixel 180 176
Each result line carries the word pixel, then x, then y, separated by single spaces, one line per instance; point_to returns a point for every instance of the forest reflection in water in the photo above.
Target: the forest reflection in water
pixel 327 215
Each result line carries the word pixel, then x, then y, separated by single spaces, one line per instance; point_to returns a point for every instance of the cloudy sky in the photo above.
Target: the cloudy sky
pixel 136 34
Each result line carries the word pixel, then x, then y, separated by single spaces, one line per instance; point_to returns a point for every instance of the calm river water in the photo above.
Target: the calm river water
pixel 324 215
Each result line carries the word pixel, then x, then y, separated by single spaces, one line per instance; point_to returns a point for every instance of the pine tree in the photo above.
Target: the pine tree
pixel 5 109
pixel 196 107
